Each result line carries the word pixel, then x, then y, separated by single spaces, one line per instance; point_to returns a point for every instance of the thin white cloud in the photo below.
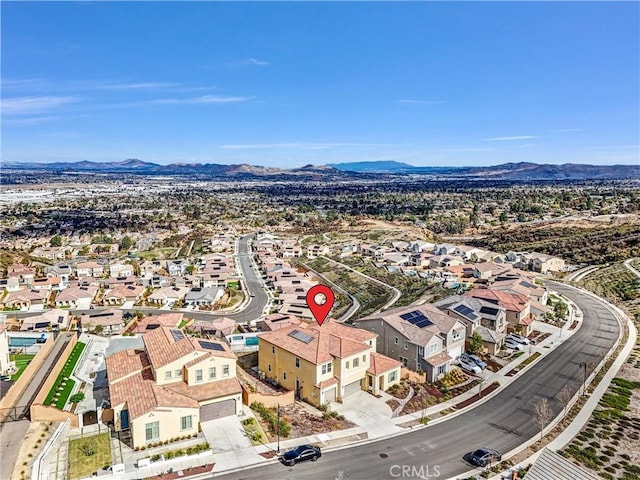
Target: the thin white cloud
pixel 135 86
pixel 566 130
pixel 249 62
pixel 420 102
pixel 506 139
pixel 34 105
pixel 27 121
pixel 204 99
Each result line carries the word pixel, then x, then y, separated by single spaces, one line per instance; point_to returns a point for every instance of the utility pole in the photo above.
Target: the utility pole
pixel 278 428
pixel 584 378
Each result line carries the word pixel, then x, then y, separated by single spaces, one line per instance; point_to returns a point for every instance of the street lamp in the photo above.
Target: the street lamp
pixel 278 428
pixel 584 378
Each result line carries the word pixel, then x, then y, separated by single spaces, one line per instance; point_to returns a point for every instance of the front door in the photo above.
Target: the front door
pixel 298 389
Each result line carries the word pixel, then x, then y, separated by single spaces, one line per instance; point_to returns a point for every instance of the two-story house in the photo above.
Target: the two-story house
pixel 516 306
pixel 165 390
pixel 325 363
pixel 89 269
pixel 422 337
pixel 120 270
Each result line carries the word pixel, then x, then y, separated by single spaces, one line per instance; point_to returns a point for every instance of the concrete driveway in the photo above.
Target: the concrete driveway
pixel 368 412
pixel 225 434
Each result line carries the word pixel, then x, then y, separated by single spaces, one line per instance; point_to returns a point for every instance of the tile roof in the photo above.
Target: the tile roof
pixel 331 340
pixel 170 320
pixel 381 364
pixel 125 363
pixel 511 301
pixel 121 291
pixel 163 347
pixel 206 391
pixel 110 316
pixel 327 383
pixel 76 293
pixel 142 395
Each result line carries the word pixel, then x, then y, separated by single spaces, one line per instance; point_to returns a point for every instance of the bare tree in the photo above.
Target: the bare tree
pixel 542 414
pixel 564 397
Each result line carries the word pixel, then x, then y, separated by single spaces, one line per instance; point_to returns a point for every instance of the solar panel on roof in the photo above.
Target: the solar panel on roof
pixel 303 337
pixel 416 318
pixel 177 335
pixel 212 346
pixel 489 311
pixel 465 311
pixel 528 285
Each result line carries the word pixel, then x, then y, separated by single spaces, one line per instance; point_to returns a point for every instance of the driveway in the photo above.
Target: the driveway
pixel 225 434
pixel 368 412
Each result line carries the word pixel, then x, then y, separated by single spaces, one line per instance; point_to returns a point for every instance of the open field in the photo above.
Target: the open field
pixel 88 454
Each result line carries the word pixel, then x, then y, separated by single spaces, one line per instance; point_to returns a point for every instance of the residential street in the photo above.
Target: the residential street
pixel 504 422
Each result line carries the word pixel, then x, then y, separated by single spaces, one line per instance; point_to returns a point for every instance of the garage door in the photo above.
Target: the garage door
pixel 212 411
pixel 455 352
pixel 352 388
pixel 330 396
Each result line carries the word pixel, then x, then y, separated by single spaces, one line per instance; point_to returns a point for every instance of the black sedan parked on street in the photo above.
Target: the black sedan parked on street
pixel 301 453
pixel 484 456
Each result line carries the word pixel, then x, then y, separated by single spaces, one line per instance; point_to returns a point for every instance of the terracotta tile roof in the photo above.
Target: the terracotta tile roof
pixel 511 301
pixel 142 395
pixel 125 363
pixel 121 291
pixel 107 317
pixel 381 364
pixel 277 321
pixel 327 383
pixel 170 320
pixel 206 391
pixel 439 359
pixel 25 295
pixel 331 340
pixel 166 345
pixel 72 294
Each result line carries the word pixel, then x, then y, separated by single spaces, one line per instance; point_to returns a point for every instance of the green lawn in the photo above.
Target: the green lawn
pixel 21 362
pixel 83 465
pixel 63 385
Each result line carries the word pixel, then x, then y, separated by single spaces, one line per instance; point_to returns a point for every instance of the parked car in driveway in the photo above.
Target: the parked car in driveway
pixel 519 338
pixel 469 365
pixel 513 345
pixel 484 456
pixel 301 453
pixel 470 358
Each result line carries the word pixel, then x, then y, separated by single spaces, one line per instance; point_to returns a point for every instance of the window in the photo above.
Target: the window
pixel 273 349
pixel 297 362
pixel 269 367
pixel 364 359
pixel 198 375
pixel 456 335
pixel 392 377
pixel 347 365
pixel 404 361
pixel 421 350
pixel 433 348
pixel 178 373
pixel 396 340
pixel 186 423
pixel 406 344
pixel 442 369
pixel 284 375
pixel 152 431
pixel 356 362
pixel 167 375
pixel 225 370
pixel 212 373
pixel 326 368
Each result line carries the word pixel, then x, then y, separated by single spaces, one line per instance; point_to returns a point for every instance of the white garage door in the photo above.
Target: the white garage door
pixel 455 352
pixel 352 388
pixel 330 396
pixel 217 410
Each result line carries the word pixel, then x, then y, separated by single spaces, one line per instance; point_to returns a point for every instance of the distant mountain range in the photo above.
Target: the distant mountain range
pixel 507 171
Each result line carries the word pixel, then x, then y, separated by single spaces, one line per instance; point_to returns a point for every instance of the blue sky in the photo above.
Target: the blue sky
pixel 286 84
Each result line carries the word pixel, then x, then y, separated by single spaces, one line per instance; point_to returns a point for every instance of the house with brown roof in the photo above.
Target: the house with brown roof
pixel 89 269
pixel 422 338
pixel 25 298
pixel 76 296
pixel 162 392
pixel 110 321
pixel 121 294
pixel 169 320
pixel 516 305
pixel 325 363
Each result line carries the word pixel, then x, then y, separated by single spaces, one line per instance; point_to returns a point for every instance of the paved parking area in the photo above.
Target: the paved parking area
pixel 368 412
pixel 225 434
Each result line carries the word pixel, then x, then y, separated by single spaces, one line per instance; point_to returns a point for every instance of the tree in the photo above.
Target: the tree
pixel 98 329
pixel 542 414
pixel 126 243
pixel 475 343
pixel 77 397
pixel 564 397
pixel 56 241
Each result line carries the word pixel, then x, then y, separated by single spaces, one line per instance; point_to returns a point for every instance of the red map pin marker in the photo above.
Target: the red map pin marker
pixel 320 310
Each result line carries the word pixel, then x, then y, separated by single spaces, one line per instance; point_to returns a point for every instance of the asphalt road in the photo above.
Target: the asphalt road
pixel 252 310
pixel 503 423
